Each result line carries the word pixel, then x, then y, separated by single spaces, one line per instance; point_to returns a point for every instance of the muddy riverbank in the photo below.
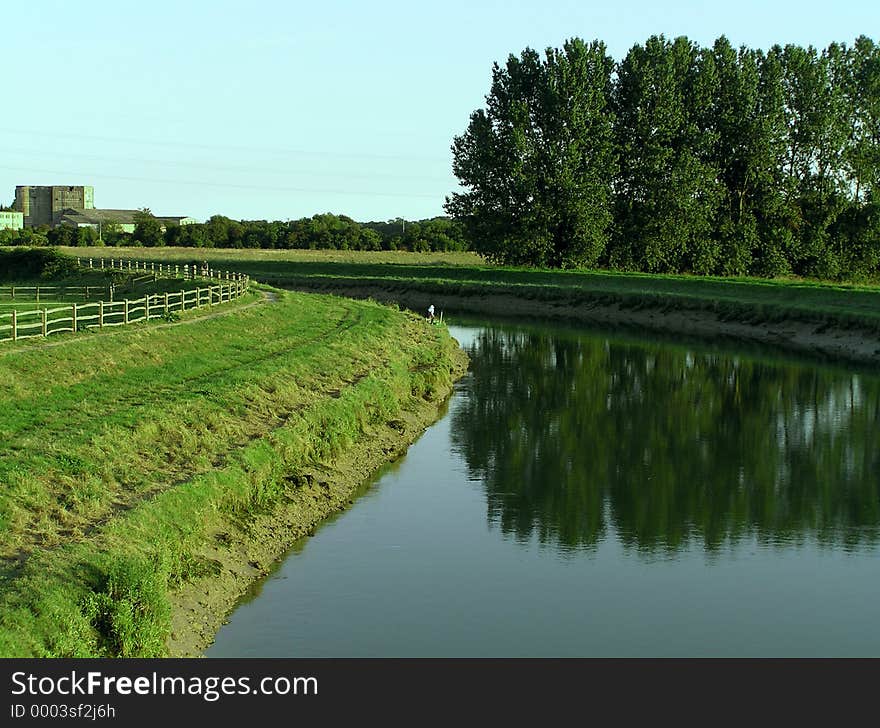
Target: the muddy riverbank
pixel 820 339
pixel 242 551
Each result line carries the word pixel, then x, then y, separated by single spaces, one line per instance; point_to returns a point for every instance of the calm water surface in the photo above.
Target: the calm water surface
pixel 592 496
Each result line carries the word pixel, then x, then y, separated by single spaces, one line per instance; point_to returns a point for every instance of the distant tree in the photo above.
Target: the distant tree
pixel 172 234
pixel 110 233
pixel 193 236
pixel 370 240
pixel 63 235
pixel 86 236
pixel 33 236
pixel 537 163
pixel 147 229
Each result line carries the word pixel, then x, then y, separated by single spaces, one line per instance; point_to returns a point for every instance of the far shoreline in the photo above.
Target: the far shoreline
pixel 850 343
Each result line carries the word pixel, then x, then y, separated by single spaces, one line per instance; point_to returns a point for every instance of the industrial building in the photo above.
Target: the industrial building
pixel 11 220
pixel 44 205
pixel 123 220
pixel 74 205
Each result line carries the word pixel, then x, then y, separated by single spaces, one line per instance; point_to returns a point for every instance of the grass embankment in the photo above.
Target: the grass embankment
pixel 129 458
pixel 459 280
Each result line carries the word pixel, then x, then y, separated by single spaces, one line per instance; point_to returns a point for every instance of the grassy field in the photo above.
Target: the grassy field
pixel 122 451
pixel 463 275
pixel 51 294
pixel 266 258
pixel 21 292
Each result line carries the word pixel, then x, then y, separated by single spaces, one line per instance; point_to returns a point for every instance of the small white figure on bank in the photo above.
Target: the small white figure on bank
pixel 431 313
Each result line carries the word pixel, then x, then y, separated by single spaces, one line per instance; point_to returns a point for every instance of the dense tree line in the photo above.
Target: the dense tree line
pixel 678 159
pixel 327 231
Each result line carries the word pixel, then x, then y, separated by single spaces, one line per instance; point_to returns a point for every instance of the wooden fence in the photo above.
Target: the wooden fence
pixel 187 271
pixel 36 293
pixel 44 321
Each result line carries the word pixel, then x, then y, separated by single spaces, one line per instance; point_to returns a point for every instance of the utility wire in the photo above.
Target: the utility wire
pixel 262 188
pixel 224 147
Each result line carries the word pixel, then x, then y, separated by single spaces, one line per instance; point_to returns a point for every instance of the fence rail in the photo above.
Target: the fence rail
pixel 187 271
pixel 36 293
pixel 42 322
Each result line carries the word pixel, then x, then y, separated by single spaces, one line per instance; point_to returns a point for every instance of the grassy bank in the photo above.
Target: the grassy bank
pixel 128 457
pixel 461 278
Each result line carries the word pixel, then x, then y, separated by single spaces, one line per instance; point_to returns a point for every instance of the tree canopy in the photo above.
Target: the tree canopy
pixel 324 231
pixel 678 159
pixel 539 160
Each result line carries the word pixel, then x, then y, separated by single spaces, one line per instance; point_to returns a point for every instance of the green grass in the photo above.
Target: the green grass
pixel 267 258
pixel 69 289
pixel 462 275
pixel 122 451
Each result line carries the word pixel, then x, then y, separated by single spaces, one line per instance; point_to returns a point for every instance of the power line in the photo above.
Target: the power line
pixel 262 188
pixel 231 168
pixel 225 147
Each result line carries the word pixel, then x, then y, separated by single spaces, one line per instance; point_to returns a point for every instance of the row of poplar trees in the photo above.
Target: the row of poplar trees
pixel 678 159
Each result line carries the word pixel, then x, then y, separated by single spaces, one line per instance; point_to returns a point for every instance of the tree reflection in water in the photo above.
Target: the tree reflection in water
pixel 573 435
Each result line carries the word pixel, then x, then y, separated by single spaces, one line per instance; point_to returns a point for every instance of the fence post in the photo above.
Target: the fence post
pixel 198 297
pixel 73 321
pixel 176 270
pixel 102 264
pixel 166 302
pixel 101 314
pixel 38 294
pixel 14 325
pixel 45 318
pixel 125 319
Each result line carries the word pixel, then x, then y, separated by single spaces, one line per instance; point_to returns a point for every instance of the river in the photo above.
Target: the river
pixel 589 494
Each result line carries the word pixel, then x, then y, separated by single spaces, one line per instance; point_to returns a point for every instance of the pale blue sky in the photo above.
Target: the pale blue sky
pixel 276 110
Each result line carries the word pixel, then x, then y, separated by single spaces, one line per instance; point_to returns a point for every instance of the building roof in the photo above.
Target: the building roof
pixel 122 217
pixel 95 216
